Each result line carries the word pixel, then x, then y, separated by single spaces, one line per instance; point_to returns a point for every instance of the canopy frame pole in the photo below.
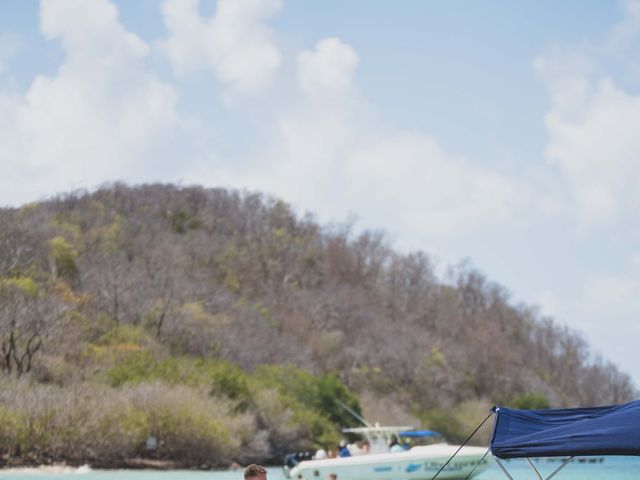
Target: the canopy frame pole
pixel 535 469
pixel 478 464
pixel 503 469
pixel 461 446
pixel 553 474
pixel 564 464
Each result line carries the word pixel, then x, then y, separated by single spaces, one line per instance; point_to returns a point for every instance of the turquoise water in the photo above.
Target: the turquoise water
pixel 613 468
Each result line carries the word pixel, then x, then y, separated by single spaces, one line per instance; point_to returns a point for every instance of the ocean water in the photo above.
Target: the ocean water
pixel 612 468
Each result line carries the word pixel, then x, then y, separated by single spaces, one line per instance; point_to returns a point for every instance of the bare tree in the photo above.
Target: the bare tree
pixel 28 318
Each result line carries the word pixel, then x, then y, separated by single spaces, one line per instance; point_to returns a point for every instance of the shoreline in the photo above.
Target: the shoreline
pixel 129 464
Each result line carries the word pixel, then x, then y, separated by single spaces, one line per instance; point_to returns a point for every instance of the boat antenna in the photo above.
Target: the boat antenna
pixel 350 410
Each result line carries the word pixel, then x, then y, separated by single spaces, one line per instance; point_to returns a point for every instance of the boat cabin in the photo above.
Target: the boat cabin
pixel 379 438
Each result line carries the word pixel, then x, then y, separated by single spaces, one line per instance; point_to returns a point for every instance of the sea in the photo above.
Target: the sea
pixel 610 468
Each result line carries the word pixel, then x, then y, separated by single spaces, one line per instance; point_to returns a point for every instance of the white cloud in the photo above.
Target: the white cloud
pixel 594 146
pixel 10 45
pixel 611 293
pixel 622 41
pixel 234 43
pixel 329 154
pixel 597 147
pixel 592 124
pixel 102 116
pixel 405 180
pixel 328 69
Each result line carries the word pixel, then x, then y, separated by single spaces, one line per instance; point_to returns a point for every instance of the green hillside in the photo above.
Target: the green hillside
pixel 228 327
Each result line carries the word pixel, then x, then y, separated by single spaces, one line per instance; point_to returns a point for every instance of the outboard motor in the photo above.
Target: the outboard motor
pixel 292 459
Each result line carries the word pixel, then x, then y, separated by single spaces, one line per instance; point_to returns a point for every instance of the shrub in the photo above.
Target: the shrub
pixel 103 426
pixel 64 258
pixel 531 401
pixel 135 367
pixel 301 410
pixel 323 394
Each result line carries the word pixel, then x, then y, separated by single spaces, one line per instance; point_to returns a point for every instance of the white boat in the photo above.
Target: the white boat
pixel 417 463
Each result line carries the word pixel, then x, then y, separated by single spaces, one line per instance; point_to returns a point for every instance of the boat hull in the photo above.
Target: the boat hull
pixel 419 463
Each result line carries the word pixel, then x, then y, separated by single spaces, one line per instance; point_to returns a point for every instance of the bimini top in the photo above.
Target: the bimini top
pixel 612 430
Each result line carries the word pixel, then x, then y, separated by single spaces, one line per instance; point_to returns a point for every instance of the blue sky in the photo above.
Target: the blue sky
pixel 504 132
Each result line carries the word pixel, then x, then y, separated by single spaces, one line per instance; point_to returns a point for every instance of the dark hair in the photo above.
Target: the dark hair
pixel 254 470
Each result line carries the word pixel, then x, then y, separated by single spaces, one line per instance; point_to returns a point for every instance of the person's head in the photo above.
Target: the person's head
pixel 332 476
pixel 255 472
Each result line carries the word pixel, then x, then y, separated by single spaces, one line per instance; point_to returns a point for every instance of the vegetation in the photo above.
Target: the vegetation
pixel 531 401
pixel 231 329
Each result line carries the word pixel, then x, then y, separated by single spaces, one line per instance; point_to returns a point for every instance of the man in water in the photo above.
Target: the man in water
pixel 332 476
pixel 255 472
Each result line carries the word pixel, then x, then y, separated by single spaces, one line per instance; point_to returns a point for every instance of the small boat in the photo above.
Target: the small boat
pixel 416 463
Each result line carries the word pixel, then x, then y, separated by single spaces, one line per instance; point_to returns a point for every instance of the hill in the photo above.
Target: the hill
pixel 227 327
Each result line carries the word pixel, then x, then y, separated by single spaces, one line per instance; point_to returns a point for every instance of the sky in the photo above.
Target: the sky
pixel 503 132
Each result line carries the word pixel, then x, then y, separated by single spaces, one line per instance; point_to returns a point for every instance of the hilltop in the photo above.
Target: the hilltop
pixel 227 326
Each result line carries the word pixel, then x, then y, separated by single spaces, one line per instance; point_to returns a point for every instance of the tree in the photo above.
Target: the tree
pixel 27 320
pixel 531 401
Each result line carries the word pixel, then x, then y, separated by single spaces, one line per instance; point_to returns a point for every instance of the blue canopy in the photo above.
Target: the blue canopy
pixel 612 430
pixel 420 433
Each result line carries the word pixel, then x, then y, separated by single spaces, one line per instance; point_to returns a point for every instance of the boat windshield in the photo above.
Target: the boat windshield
pixel 379 438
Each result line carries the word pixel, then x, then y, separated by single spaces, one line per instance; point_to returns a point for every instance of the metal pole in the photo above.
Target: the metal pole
pixel 564 464
pixel 478 464
pixel 461 446
pixel 503 469
pixel 535 469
